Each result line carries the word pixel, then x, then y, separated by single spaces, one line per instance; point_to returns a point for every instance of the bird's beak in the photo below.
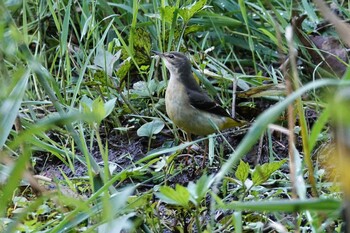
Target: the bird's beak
pixel 157 53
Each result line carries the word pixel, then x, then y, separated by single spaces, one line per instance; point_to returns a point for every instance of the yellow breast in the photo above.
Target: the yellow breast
pixel 188 118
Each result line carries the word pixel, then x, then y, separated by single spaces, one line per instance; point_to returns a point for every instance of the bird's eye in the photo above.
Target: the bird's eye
pixel 171 56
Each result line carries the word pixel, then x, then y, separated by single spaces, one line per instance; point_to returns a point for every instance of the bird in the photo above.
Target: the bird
pixel 188 106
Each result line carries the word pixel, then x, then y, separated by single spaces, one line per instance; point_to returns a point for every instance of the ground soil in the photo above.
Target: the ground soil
pixel 125 149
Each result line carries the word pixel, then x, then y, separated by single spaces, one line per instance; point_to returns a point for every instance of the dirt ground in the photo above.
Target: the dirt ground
pixel 125 149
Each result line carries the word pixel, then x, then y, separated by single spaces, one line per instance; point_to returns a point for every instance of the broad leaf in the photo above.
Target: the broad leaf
pixel 262 173
pixel 242 171
pixel 150 128
pixel 167 13
pixel 179 196
pixel 106 60
pixel 187 12
pixel 109 106
pixel 97 108
pixel 199 190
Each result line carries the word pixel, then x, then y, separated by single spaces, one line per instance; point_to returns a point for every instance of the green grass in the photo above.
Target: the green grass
pixel 79 87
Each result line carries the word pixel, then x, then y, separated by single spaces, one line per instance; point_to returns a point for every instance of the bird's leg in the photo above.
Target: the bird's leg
pixel 205 152
pixel 189 139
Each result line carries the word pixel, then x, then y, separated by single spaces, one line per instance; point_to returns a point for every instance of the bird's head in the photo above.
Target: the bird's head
pixel 175 62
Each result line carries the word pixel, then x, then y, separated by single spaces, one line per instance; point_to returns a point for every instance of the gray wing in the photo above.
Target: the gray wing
pixel 202 101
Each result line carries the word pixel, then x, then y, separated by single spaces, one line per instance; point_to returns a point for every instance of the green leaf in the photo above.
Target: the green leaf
pixel 9 107
pixel 123 223
pixel 96 108
pixel 150 128
pixel 270 35
pixel 187 12
pixel 119 200
pixel 85 104
pixel 284 205
pixel 199 190
pixel 65 28
pixel 167 13
pixel 318 126
pixel 13 5
pixel 242 171
pixel 141 89
pixel 20 201
pixel 106 60
pixel 263 172
pixel 179 196
pixel 194 28
pixel 310 11
pixel 154 86
pixel 43 209
pixel 109 106
pixel 209 19
pixel 136 202
pixel 147 89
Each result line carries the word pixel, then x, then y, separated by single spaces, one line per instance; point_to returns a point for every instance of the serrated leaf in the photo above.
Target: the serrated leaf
pixel 150 128
pixel 179 196
pixel 242 171
pixel 194 28
pixel 262 173
pixel 167 13
pixel 135 202
pixel 187 12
